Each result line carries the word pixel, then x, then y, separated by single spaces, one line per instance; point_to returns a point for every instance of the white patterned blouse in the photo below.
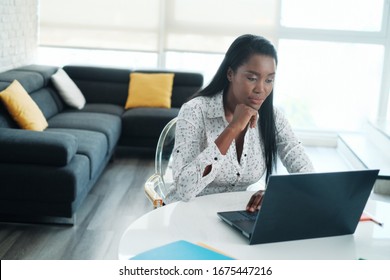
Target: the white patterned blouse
pixel 200 121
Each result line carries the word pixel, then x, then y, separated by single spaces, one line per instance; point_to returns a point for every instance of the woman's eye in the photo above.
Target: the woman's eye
pixel 252 79
pixel 269 81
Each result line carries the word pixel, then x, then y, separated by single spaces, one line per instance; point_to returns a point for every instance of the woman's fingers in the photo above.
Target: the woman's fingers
pixel 244 116
pixel 255 201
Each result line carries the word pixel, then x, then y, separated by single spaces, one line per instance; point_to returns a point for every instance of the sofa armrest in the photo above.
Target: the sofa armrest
pixel 35 147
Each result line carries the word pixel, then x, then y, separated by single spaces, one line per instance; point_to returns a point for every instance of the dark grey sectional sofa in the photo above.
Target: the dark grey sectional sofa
pixel 49 173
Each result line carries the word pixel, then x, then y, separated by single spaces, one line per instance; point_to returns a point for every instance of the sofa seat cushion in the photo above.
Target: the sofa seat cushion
pixel 105 108
pixel 107 124
pixel 146 122
pixel 92 144
pixel 45 183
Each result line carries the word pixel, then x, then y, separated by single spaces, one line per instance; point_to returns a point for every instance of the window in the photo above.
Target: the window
pixel 211 26
pixel 207 64
pixel 331 62
pixel 334 55
pixel 327 85
pixel 357 15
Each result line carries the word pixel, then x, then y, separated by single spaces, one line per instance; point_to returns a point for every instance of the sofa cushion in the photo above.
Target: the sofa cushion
pixel 107 124
pixel 40 148
pixel 48 101
pixel 29 80
pixel 146 122
pixel 22 107
pixel 150 90
pixel 4 85
pixel 44 183
pixel 106 108
pixel 101 84
pixel 44 70
pixel 90 143
pixel 185 84
pixel 6 120
pixel 68 90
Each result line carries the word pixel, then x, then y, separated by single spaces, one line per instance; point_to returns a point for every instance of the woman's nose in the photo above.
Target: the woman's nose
pixel 260 87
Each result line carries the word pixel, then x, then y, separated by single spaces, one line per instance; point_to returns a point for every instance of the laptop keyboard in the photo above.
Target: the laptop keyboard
pixel 251 216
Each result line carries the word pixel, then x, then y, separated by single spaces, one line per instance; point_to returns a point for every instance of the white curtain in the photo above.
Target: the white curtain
pixel 111 24
pixel 154 25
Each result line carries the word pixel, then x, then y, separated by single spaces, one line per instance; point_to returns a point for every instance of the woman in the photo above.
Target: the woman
pixel 228 134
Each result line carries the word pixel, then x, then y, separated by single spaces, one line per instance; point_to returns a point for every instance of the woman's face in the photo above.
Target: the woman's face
pixel 252 82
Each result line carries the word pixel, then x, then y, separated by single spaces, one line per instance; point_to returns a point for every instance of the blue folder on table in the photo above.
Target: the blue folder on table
pixel 181 250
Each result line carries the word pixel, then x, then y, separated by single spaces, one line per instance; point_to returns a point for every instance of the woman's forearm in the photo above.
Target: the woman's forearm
pixel 225 139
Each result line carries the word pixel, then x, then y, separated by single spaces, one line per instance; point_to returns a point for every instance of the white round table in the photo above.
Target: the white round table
pixel 197 221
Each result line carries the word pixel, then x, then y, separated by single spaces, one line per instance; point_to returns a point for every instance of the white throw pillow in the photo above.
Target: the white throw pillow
pixel 68 90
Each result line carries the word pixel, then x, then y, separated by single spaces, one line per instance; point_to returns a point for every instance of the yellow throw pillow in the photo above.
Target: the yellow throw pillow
pixel 22 108
pixel 150 90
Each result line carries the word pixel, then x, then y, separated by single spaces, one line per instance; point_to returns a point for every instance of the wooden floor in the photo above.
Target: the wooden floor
pixel 115 201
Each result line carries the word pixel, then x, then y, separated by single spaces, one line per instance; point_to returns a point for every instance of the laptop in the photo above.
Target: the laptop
pixel 306 205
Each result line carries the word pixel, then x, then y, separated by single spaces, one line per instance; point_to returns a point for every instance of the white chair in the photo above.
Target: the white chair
pixel 157 186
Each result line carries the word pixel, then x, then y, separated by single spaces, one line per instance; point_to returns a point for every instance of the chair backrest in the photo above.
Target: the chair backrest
pixel 165 146
pixel 158 185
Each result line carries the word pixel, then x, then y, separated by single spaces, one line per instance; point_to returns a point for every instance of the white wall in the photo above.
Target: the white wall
pixel 18 32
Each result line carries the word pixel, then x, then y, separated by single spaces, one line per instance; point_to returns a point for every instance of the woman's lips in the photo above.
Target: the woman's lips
pixel 257 101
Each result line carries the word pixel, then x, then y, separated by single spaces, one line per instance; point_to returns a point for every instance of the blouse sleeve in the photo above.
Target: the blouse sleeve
pixel 290 150
pixel 192 154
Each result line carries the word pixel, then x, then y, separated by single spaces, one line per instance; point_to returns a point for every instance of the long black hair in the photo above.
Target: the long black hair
pixel 240 51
